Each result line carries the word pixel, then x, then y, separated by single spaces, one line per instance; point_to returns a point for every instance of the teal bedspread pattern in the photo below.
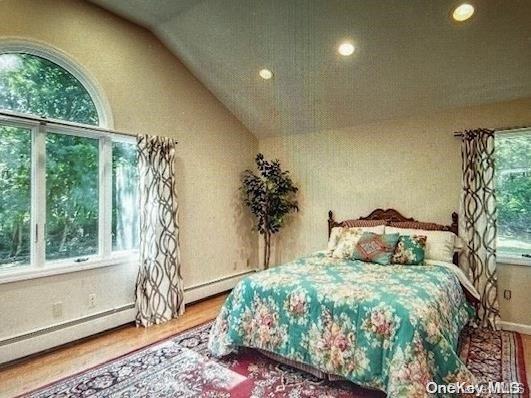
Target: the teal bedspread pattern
pixel 392 328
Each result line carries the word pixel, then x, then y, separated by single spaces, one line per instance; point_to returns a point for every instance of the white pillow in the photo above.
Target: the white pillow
pixel 459 244
pixel 440 245
pixel 335 234
pixel 342 240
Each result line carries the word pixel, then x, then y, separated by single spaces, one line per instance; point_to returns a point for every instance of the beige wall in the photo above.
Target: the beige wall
pixel 149 90
pixel 410 164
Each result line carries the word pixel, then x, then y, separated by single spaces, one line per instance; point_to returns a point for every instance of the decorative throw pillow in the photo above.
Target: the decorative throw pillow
pixel 440 245
pixel 410 250
pixel 347 241
pixel 335 237
pixel 375 248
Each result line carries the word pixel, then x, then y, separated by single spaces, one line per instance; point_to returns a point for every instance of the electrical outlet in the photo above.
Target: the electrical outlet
pixel 57 309
pixel 92 300
pixel 507 294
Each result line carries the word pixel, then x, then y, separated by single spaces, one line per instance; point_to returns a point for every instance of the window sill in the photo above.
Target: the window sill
pixel 514 260
pixel 63 267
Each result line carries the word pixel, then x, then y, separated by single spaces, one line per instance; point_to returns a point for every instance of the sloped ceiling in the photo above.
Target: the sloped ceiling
pixel 410 56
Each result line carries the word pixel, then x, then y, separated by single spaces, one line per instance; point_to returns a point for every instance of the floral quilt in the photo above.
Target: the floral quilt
pixel 393 328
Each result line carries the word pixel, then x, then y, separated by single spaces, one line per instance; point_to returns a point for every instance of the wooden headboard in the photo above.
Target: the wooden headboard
pixel 392 215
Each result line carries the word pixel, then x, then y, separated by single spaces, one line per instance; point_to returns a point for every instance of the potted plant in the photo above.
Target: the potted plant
pixel 270 196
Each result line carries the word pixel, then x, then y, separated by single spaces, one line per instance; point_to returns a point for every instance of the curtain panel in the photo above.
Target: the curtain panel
pixel 159 286
pixel 478 221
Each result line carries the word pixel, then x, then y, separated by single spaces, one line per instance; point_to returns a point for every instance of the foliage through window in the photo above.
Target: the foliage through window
pixel 72 196
pixel 513 192
pixel 15 195
pixel 34 85
pixel 66 193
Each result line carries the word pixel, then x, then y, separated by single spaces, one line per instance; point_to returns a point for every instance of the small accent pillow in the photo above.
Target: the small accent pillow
pixel 347 242
pixel 410 250
pixel 440 245
pixel 375 248
pixel 336 233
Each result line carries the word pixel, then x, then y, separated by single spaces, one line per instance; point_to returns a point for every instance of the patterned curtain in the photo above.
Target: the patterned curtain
pixel 478 220
pixel 159 286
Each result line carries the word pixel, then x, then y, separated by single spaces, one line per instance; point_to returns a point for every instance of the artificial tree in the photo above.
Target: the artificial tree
pixel 270 196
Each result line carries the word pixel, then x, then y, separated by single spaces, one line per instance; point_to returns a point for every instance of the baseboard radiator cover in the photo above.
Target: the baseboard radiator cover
pixel 25 344
pixel 56 335
pixel 515 327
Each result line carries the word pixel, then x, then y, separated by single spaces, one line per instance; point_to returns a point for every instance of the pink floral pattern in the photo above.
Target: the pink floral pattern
pixel 183 367
pixel 349 318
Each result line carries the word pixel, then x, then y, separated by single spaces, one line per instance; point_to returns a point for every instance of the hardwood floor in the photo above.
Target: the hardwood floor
pixel 526 339
pixel 31 373
pixel 36 371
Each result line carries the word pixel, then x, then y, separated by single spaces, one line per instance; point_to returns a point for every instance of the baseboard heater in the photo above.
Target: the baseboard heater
pixel 45 338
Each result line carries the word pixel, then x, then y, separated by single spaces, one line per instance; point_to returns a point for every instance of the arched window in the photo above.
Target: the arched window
pixel 68 192
pixel 34 85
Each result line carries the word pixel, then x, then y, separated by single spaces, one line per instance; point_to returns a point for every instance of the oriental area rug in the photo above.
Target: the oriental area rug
pixel 181 366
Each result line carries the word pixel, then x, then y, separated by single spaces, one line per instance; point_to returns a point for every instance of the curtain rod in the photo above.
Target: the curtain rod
pixel 459 134
pixel 44 120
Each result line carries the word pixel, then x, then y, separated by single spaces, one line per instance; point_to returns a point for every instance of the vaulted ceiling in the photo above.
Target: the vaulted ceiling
pixel 410 56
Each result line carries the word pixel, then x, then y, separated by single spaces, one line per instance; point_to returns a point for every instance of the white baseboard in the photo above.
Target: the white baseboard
pixel 42 339
pixel 516 327
pixel 215 286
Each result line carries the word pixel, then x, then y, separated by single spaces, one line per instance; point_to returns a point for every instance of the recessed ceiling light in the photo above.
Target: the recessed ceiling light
pixel 463 12
pixel 346 48
pixel 265 74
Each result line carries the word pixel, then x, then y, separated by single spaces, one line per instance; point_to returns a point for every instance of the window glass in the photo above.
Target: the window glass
pixel 63 175
pixel 72 196
pixel 15 196
pixel 125 200
pixel 513 193
pixel 34 85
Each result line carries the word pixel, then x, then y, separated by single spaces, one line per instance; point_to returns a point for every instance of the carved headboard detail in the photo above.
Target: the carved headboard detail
pixel 392 216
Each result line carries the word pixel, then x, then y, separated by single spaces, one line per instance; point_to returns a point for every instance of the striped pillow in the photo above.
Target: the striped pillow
pixel 362 223
pixel 428 226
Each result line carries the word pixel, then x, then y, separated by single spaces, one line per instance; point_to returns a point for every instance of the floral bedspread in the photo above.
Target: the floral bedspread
pixel 393 328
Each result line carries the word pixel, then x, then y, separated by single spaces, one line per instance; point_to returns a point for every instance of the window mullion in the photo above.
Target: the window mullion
pixel 105 194
pixel 38 197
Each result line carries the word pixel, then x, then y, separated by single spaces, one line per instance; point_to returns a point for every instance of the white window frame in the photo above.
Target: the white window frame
pixel 68 63
pixel 39 266
pixel 513 259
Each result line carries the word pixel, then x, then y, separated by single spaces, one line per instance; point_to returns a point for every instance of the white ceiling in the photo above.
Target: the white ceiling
pixel 411 57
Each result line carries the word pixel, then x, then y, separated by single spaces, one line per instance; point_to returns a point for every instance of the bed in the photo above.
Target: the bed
pixel 391 328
